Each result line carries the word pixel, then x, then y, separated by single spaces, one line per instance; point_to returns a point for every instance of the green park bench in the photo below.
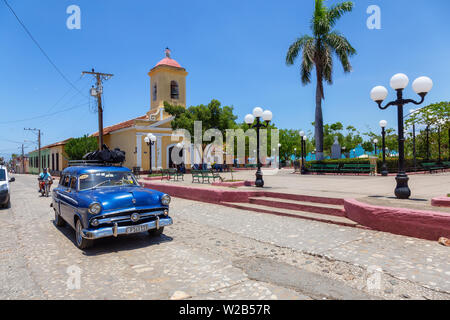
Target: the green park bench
pixel 205 175
pixel 432 166
pixel 196 175
pixel 165 174
pixel 171 174
pixel 446 164
pixel 358 168
pixel 175 174
pixel 319 167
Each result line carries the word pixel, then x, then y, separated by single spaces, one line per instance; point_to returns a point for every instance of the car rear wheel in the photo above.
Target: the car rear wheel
pixel 59 222
pixel 156 232
pixel 81 242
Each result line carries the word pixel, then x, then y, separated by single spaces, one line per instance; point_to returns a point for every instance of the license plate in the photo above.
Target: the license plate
pixel 136 229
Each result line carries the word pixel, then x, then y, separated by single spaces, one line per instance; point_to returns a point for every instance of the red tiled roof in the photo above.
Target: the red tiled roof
pixel 118 126
pixel 60 143
pixel 168 62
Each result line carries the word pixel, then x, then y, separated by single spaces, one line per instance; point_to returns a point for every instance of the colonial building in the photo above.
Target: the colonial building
pixel 52 157
pixel 167 83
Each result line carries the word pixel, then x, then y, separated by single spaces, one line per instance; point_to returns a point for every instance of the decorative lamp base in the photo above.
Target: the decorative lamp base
pixel 402 190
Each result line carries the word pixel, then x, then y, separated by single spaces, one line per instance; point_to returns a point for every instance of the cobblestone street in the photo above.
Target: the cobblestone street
pixel 213 252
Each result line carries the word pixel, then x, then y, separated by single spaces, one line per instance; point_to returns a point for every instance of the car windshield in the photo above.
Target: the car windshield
pixel 2 175
pixel 106 179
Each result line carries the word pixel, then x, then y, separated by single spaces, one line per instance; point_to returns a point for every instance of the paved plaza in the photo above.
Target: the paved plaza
pixel 371 189
pixel 214 252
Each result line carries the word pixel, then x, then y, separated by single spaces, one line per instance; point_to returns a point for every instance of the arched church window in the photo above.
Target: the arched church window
pixel 154 92
pixel 174 90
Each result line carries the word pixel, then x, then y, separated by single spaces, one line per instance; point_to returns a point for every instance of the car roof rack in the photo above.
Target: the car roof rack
pixel 78 163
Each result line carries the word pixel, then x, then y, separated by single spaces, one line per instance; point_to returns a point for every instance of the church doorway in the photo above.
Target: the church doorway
pixel 171 161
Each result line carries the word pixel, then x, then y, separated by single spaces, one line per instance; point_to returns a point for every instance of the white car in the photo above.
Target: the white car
pixel 4 187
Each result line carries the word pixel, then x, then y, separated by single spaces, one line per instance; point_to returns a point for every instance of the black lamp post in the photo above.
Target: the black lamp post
pixel 258 113
pixel 428 141
pixel 399 82
pixel 412 111
pixel 150 141
pixel 279 158
pixel 375 141
pixel 383 124
pixel 303 144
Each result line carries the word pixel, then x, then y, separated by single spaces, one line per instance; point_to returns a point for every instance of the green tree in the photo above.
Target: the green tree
pixel 317 51
pixel 289 140
pixel 435 117
pixel 212 116
pixel 76 148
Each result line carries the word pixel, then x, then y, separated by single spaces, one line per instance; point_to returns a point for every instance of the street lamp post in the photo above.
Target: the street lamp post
pixel 304 154
pixel 279 158
pixel 427 130
pixel 383 124
pixel 399 82
pixel 375 141
pixel 258 113
pixel 412 111
pixel 150 141
pixel 439 124
pixel 303 145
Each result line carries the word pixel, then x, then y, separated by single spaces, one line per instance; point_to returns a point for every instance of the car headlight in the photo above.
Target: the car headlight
pixel 4 187
pixel 165 199
pixel 95 208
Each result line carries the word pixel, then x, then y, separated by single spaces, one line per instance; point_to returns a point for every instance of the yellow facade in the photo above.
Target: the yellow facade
pixel 167 83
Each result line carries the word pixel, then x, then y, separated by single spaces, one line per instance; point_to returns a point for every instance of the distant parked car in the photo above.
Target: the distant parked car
pixel 100 201
pixel 4 187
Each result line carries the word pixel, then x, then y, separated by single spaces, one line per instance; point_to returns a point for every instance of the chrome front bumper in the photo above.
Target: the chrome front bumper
pixel 117 230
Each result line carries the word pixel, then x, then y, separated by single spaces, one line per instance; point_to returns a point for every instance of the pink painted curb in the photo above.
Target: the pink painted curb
pixel 233 184
pixel 441 202
pixel 428 225
pixel 220 195
pixel 153 178
pixel 201 194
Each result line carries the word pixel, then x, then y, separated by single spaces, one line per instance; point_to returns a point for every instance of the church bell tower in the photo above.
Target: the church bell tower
pixel 167 83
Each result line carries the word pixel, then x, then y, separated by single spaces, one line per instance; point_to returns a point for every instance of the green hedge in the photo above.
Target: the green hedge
pixel 391 163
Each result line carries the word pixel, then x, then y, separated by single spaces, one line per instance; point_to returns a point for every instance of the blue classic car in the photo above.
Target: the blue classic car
pixel 100 201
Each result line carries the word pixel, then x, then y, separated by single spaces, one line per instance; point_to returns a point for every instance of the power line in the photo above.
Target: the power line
pixel 42 50
pixel 46 115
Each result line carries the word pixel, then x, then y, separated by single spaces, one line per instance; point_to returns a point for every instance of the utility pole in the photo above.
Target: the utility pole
pixel 23 161
pixel 39 146
pixel 97 92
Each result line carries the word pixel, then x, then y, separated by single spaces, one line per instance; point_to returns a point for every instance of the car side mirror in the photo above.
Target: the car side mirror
pixel 12 179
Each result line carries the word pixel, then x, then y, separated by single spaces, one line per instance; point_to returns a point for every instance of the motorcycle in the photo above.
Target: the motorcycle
pixel 44 187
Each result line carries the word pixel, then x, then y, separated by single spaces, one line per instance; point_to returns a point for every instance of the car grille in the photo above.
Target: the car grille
pixel 124 218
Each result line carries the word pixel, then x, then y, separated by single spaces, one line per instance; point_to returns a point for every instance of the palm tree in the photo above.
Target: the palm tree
pixel 318 50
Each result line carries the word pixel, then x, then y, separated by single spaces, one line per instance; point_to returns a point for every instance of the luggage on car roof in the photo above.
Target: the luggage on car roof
pixel 106 155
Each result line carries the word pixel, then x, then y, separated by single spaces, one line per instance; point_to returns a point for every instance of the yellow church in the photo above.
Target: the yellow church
pixel 167 83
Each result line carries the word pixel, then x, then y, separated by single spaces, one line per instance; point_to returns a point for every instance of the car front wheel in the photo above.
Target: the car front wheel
pixel 81 242
pixel 156 232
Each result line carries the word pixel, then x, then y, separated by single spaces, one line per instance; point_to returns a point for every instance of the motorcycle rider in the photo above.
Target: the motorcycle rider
pixel 43 176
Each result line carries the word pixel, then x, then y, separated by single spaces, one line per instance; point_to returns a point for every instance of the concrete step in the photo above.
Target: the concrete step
pixel 306 198
pixel 292 213
pixel 330 209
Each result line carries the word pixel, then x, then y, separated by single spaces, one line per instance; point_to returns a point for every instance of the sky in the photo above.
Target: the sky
pixel 234 51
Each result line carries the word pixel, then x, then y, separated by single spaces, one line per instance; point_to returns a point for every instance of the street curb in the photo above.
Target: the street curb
pixel 429 225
